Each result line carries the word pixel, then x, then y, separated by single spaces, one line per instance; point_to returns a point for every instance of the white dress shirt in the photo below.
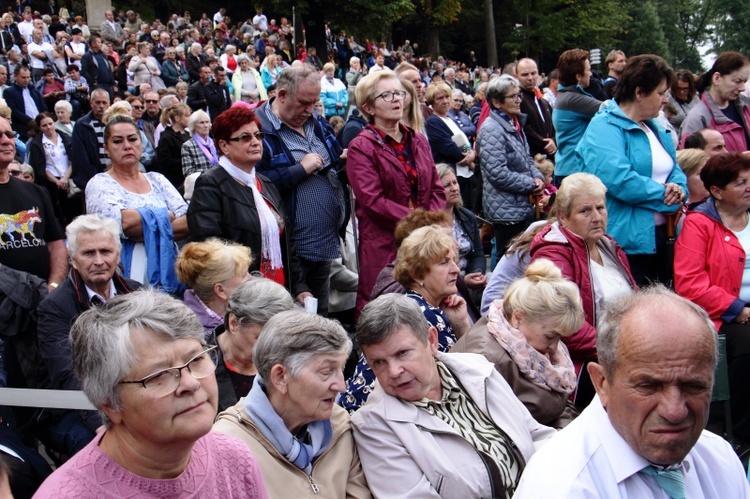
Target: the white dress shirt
pixel 589 459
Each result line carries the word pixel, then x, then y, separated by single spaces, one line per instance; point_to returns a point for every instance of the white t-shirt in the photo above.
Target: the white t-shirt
pixel 261 22
pixel 217 19
pixel 55 156
pixel 77 48
pixel 609 282
pixel 38 47
pixel 662 165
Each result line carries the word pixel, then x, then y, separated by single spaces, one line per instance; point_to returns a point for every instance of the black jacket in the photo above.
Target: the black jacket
pixel 221 207
pixel 536 128
pixel 196 97
pixel 218 99
pixel 475 260
pixel 169 154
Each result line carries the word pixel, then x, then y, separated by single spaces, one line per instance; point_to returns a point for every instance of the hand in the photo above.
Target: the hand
pixel 550 147
pixel 62 184
pixel 468 158
pixel 301 297
pixel 312 162
pixel 539 189
pixel 344 153
pixel 673 194
pixel 744 317
pixel 339 105
pixel 475 280
pixel 455 310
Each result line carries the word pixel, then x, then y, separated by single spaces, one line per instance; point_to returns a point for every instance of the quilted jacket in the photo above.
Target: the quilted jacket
pixel 508 170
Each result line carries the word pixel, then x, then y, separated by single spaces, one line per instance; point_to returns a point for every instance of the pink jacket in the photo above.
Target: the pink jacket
pixel 706 114
pixel 382 194
pixel 708 264
pixel 569 253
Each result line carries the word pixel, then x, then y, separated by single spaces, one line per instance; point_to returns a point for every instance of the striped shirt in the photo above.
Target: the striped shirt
pixel 462 414
pixel 320 198
pixel 99 130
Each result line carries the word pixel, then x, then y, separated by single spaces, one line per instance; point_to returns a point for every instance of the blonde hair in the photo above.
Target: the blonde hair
pixel 434 89
pixel 542 295
pixel 364 92
pixel 119 108
pixel 328 65
pixel 169 114
pixel 544 165
pixel 421 249
pixel 202 265
pixel 691 160
pixel 413 116
pixel 576 185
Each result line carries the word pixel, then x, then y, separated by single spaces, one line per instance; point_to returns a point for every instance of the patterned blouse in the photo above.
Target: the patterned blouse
pixel 362 382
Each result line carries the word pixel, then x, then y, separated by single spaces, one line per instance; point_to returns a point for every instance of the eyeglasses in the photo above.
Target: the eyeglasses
pixel 390 96
pixel 162 383
pixel 151 101
pixel 246 138
pixel 137 107
pixel 15 173
pixel 9 134
pixel 514 97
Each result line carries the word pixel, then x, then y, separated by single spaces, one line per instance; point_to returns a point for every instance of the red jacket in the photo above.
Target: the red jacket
pixel 382 193
pixel 570 254
pixel 708 264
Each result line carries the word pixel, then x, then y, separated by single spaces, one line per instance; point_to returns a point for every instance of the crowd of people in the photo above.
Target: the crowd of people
pixel 365 273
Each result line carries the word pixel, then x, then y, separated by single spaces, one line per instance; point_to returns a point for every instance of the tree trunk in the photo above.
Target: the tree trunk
pixel 315 31
pixel 433 42
pixel 489 33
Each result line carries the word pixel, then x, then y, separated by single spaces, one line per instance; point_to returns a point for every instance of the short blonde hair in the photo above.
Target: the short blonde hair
pixel 434 89
pixel 691 160
pixel 328 65
pixel 204 264
pixel 544 165
pixel 419 251
pixel 543 294
pixel 575 185
pixel 364 92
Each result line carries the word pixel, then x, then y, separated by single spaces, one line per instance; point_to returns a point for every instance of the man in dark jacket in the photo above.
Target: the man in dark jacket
pixel 87 154
pixel 217 93
pixel 22 110
pixel 538 128
pixel 196 97
pixel 95 67
pixel 301 158
pixel 94 249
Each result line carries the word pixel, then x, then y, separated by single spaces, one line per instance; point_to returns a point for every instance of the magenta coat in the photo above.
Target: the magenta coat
pixel 382 194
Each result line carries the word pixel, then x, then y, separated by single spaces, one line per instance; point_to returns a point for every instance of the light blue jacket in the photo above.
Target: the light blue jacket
pixel 617 150
pixel 573 111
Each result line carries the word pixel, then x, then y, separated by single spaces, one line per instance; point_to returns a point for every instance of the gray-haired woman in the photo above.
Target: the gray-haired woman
pixel 289 419
pixel 246 82
pixel 250 306
pixel 199 153
pixel 508 170
pixel 142 362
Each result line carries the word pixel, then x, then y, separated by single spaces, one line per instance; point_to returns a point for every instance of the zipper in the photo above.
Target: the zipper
pixel 315 488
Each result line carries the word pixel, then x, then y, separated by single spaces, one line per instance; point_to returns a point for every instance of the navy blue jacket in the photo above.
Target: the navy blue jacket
pixel 84 154
pixel 14 98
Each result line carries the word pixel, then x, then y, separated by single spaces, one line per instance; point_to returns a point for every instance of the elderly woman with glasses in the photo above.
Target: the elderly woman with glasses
pixel 143 364
pixel 235 203
pixel 251 305
pixel 391 171
pixel 289 420
pixel 508 171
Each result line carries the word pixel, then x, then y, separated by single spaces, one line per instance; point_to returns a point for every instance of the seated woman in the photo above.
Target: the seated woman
pixel 199 153
pixel 211 270
pixel 710 269
pixel 426 268
pixel 289 419
pixel 250 306
pixel 579 246
pixel 144 365
pixel 521 335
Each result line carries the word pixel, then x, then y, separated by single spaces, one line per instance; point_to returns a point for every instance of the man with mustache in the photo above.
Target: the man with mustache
pixel 642 436
pixel 301 159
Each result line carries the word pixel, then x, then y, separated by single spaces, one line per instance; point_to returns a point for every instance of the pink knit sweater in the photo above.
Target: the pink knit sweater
pixel 220 466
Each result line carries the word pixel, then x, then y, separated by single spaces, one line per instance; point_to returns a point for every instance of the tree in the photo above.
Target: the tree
pixel 644 33
pixel 732 26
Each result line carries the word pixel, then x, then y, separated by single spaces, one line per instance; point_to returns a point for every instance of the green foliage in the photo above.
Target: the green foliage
pixel 732 26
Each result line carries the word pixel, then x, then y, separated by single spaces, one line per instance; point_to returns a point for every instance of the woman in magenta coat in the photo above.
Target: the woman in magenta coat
pixel 391 171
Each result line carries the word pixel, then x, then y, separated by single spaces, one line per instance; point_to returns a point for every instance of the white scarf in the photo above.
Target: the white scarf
pixel 271 245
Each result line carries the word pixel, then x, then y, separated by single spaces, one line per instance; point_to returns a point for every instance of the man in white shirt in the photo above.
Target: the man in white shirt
pixel 219 17
pixel 26 26
pixel 260 21
pixel 642 436
pixel 40 53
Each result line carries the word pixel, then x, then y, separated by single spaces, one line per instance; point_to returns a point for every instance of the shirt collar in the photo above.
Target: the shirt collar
pixel 91 293
pixel 448 385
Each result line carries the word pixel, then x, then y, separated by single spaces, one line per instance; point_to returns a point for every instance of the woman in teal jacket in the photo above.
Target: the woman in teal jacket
pixel 634 157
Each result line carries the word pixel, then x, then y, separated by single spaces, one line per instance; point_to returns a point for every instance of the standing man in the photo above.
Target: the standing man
pixel 95 67
pixel 112 31
pixel 219 17
pixel 94 249
pixel 217 93
pixel 32 240
pixel 642 436
pixel 87 143
pixel 615 62
pixel 196 97
pixel 153 111
pixel 260 21
pixel 301 158
pixel 40 54
pixel 538 127
pixel 25 101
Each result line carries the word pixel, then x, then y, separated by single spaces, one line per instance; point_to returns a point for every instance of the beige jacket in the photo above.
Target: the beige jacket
pixel 337 473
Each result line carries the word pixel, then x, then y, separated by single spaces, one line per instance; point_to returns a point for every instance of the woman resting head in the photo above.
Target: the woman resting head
pixel 692 162
pixel 426 262
pixel 142 362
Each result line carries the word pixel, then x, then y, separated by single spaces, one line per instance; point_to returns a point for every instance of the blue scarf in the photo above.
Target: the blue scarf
pixel 270 424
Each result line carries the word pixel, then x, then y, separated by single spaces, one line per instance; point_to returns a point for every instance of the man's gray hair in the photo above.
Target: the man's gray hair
pixel 258 299
pixel 291 77
pixel 91 223
pixel 385 315
pixel 293 338
pixel 168 100
pixel 498 87
pixel 615 311
pixel 99 91
pixel 102 345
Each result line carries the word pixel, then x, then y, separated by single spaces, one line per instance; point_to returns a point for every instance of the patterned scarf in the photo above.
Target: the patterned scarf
pixel 553 373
